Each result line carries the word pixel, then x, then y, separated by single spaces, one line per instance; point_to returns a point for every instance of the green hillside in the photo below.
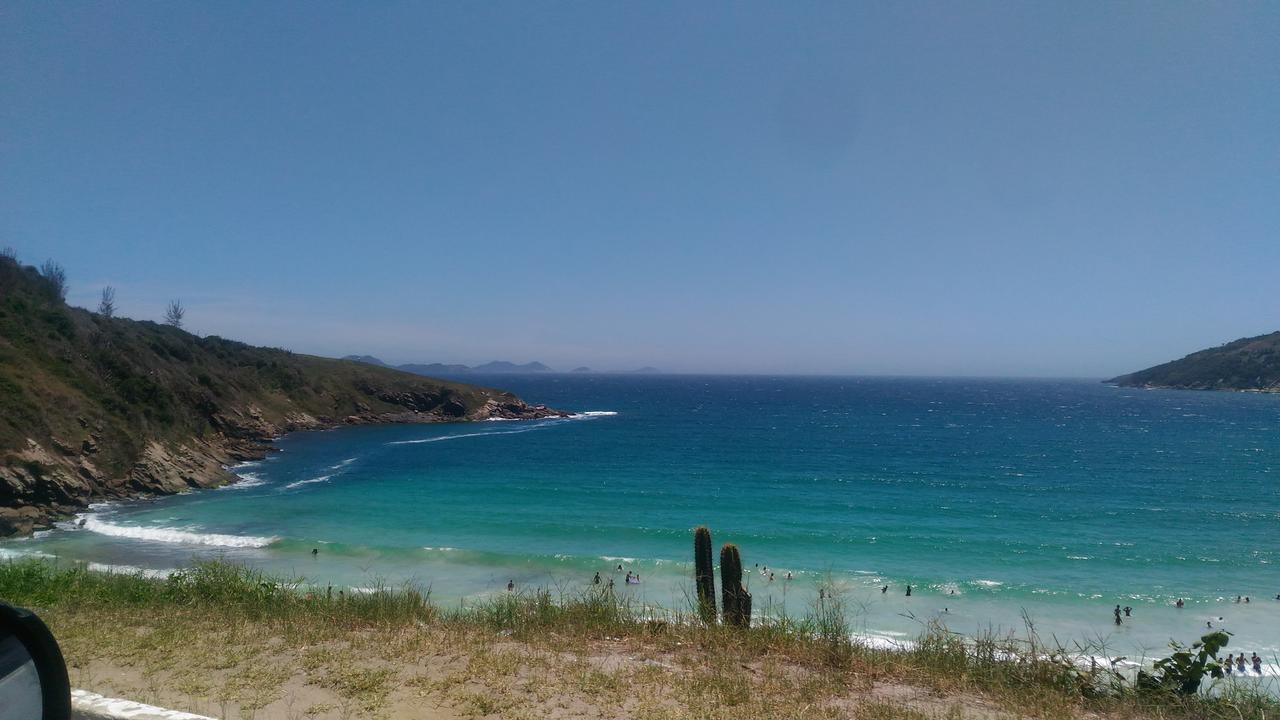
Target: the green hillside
pixel 1245 364
pixel 92 407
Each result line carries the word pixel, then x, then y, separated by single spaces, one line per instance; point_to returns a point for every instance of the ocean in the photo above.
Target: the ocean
pixel 997 501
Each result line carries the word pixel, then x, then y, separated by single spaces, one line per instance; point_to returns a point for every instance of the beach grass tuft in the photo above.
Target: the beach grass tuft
pixel 232 641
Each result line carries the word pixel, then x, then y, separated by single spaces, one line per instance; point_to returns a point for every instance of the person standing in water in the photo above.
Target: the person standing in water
pixel 596 580
pixel 511 585
pixel 908 591
pixel 1117 614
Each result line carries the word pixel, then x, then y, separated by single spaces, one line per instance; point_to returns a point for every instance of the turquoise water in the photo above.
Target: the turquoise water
pixel 1059 499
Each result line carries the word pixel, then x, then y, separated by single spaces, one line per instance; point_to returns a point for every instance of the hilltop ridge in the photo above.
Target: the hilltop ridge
pixel 1249 364
pixel 95 408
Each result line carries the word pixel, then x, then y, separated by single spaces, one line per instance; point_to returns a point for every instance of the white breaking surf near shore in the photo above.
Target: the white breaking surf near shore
pixel 185 536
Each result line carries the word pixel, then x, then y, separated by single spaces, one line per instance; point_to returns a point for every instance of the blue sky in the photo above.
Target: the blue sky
pixel 1071 189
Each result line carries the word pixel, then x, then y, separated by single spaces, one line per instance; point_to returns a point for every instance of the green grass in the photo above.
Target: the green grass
pixel 219 620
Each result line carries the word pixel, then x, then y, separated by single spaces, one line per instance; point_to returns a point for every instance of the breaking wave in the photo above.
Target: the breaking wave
pixel 175 535
pixel 300 483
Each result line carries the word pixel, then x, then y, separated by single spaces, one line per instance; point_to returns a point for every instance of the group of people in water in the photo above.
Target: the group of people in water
pixel 1240 664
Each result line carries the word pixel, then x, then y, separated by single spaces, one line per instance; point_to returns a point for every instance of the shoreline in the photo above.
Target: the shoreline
pixel 197 463
pixel 229 642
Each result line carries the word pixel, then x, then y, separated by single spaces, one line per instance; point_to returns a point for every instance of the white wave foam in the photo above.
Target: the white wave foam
pixel 442 438
pixel 175 535
pixel 544 423
pixel 616 558
pixel 343 464
pixel 300 483
pixel 247 480
pixel 988 583
pixel 7 554
pixel 883 641
pixel 439 549
pixel 131 570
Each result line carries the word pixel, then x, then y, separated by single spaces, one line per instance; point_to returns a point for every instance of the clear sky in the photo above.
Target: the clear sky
pixel 1020 188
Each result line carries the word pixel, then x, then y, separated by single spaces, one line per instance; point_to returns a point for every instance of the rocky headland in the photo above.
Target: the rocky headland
pixel 95 408
pixel 1246 365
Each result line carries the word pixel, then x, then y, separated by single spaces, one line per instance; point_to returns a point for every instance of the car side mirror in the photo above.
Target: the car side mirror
pixel 33 675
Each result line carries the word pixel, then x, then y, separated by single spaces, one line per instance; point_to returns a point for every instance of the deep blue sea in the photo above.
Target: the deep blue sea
pixel 991 498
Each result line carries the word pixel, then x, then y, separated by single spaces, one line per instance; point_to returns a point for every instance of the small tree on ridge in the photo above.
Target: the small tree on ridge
pixel 173 315
pixel 57 278
pixel 107 307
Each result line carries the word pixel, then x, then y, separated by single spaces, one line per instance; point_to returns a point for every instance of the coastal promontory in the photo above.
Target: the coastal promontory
pixel 94 407
pixel 1249 364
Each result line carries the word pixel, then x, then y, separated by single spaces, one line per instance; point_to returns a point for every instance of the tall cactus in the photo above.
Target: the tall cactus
pixel 737 601
pixel 704 573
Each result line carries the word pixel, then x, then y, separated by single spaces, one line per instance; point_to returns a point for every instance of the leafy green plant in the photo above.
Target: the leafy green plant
pixel 1183 671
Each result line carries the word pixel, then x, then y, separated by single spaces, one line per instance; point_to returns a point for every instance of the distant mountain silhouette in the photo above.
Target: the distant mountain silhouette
pixel 502 366
pixel 368 359
pixel 433 369
pixel 497 367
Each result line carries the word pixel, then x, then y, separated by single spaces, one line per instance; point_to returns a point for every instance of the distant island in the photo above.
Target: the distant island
pixel 96 407
pixel 1248 365
pixel 496 367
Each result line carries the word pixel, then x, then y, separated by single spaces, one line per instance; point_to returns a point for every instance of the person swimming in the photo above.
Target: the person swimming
pixel 884 590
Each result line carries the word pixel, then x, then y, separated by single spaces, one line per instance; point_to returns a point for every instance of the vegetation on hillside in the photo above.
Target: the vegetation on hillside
pixel 1246 364
pixel 86 394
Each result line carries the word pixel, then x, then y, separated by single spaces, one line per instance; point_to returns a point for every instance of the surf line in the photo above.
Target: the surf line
pixel 590 414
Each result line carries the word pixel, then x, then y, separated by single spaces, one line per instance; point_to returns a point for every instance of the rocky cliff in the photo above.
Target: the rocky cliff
pixel 95 408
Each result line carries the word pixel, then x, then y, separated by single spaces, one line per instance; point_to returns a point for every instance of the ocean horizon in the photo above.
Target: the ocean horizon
pixel 997 500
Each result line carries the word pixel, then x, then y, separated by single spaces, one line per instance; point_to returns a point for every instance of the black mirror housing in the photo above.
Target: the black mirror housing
pixel 27 647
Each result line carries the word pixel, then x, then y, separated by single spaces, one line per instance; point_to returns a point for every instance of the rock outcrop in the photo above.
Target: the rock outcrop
pixel 95 408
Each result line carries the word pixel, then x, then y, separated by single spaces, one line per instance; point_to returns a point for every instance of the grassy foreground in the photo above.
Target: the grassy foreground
pixel 223 640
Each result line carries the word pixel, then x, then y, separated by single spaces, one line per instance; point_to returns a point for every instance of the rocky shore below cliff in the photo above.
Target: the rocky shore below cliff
pixel 44 484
